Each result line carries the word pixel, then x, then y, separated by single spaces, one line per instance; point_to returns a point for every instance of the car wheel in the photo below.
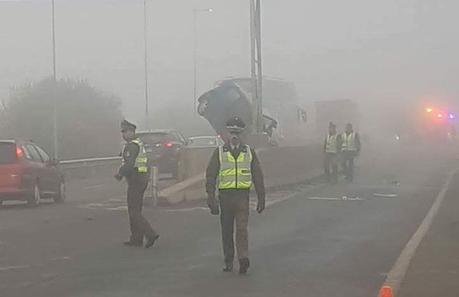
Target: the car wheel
pixel 35 196
pixel 61 194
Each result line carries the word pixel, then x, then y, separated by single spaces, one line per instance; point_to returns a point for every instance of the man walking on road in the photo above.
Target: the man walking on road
pixel 350 150
pixel 236 166
pixel 332 147
pixel 135 170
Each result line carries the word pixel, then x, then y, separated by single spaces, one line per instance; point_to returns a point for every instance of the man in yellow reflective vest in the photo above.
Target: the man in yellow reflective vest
pixel 233 168
pixel 136 172
pixel 332 148
pixel 350 150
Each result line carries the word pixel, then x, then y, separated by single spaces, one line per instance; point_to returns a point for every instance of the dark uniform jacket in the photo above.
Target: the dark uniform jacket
pixel 213 171
pixel 130 153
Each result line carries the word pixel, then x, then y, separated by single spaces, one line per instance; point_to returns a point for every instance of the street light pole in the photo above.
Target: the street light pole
pixel 195 53
pixel 55 123
pixel 256 63
pixel 145 37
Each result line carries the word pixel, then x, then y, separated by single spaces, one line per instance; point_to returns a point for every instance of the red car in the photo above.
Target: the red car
pixel 27 173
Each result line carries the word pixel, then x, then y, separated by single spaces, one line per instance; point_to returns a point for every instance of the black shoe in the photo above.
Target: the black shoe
pixel 244 265
pixel 133 243
pixel 228 267
pixel 151 242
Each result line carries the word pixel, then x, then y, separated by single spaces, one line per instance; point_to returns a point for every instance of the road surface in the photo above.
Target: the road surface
pixel 313 239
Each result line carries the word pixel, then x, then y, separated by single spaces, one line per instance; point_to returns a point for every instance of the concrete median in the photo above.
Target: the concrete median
pixel 281 166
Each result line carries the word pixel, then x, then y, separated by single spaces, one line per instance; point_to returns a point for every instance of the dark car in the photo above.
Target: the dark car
pixel 163 148
pixel 28 173
pixel 205 142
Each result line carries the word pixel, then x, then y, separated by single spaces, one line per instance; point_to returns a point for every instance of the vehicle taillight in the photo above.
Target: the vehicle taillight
pixel 19 152
pixel 168 144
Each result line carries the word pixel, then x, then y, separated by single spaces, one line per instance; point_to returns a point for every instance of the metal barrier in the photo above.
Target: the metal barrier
pixel 107 166
pixel 90 168
pixel 84 162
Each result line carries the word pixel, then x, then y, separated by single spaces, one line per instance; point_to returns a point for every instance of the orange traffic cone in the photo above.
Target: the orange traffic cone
pixel 386 291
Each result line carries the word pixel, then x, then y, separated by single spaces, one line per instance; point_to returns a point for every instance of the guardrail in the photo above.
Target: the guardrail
pixel 107 166
pixel 89 161
pixel 91 167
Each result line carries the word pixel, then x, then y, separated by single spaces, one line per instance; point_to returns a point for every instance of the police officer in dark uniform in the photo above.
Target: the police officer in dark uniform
pixel 237 167
pixel 135 170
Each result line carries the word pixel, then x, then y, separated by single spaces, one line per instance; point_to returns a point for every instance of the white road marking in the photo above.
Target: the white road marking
pixel 252 204
pixel 385 195
pixel 325 198
pixel 344 198
pixel 398 271
pixel 7 268
pixel 62 258
pixel 94 187
pixel 273 202
pixel 117 208
pixel 187 209
pixel 91 205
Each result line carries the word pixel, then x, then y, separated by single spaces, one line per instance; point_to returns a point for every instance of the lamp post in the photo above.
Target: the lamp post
pixel 55 122
pixel 145 39
pixel 256 62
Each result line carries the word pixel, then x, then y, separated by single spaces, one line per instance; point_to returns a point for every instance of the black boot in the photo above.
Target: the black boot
pixel 151 242
pixel 244 265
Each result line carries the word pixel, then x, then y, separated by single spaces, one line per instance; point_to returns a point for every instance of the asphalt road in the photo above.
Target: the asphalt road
pixel 313 240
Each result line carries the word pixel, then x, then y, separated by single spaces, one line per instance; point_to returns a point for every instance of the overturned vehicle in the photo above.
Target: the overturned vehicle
pixel 282 116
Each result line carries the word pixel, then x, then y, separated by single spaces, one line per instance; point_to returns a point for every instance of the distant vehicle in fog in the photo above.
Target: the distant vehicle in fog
pixel 205 141
pixel 27 173
pixel 163 148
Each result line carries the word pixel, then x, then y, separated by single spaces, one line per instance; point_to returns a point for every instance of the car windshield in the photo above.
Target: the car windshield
pixel 203 141
pixel 153 138
pixel 7 153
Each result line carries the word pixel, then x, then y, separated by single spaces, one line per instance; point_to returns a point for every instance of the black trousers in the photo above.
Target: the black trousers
pixel 348 164
pixel 234 205
pixel 140 227
pixel 331 162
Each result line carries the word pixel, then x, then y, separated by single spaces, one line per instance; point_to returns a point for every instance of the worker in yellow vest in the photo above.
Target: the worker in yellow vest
pixel 332 148
pixel 349 151
pixel 135 170
pixel 233 168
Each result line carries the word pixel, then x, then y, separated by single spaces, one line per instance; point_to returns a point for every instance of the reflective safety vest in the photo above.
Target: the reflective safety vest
pixel 349 142
pixel 235 174
pixel 141 162
pixel 332 144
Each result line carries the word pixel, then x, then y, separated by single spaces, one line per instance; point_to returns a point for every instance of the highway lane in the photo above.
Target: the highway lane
pixel 309 242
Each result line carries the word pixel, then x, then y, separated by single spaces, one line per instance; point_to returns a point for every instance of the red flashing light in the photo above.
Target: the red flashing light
pixel 168 144
pixel 440 116
pixel 19 152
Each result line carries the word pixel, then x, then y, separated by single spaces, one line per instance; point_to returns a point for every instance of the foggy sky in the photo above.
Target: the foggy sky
pixel 371 51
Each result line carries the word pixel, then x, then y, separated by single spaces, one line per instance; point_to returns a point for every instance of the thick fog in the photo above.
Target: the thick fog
pixel 368 51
